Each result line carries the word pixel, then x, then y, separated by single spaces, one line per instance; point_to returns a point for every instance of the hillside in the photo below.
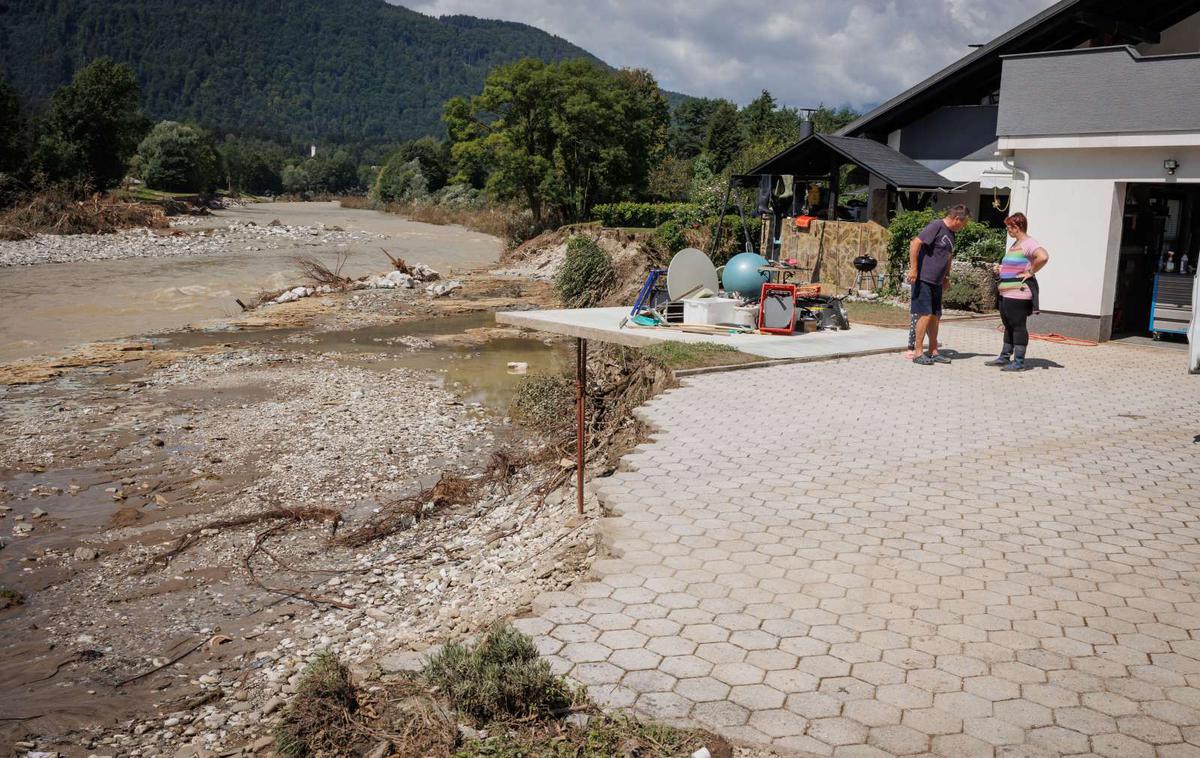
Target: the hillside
pixel 334 70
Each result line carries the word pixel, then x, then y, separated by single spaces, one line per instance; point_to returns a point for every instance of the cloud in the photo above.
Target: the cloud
pixel 807 52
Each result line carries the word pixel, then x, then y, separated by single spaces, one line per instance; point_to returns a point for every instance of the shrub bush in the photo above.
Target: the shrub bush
pixel 972 287
pixel 645 215
pixel 585 274
pixel 501 677
pixel 399 181
pixel 320 710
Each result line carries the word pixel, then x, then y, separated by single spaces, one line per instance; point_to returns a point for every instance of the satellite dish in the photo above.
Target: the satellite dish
pixel 688 271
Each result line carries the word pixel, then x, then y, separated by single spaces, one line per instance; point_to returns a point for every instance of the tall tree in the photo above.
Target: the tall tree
pixel 723 138
pixel 560 137
pixel 689 126
pixel 14 132
pixel 828 120
pixel 179 158
pixel 93 126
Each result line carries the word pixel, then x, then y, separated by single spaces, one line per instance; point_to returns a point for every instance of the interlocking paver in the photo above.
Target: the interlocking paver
pixel 878 592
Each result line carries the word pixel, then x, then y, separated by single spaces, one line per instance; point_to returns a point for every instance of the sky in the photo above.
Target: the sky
pixel 805 52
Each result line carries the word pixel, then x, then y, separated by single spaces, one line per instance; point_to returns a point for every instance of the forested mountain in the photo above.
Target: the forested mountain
pixel 323 70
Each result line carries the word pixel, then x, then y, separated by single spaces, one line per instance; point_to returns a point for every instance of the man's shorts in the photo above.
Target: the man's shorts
pixel 926 299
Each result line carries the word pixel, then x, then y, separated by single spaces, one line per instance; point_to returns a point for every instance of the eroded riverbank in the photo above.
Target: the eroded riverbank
pixel 202 510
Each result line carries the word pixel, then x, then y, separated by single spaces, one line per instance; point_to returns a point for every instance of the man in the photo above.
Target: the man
pixel 929 256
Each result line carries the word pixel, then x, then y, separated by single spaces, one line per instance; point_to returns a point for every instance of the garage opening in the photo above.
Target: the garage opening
pixel 1160 250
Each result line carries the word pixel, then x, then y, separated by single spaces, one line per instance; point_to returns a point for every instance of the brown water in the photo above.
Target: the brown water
pixel 47 308
pixel 476 373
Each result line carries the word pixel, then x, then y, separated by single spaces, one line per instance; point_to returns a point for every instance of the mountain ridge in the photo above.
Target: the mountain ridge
pixel 322 70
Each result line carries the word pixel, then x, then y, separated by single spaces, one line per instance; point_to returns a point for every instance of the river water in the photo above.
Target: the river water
pixel 47 308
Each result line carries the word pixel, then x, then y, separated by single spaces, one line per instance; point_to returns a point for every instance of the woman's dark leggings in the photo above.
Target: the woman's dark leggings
pixel 1013 314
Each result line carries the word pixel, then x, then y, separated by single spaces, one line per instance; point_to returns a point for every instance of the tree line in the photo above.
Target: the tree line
pixel 554 138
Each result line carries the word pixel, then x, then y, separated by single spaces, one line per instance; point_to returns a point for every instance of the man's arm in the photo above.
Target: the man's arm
pixel 914 250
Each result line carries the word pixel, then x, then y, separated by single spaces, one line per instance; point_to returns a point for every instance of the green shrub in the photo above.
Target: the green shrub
pixel 644 215
pixel 399 180
pixel 501 677
pixel 585 275
pixel 975 243
pixel 670 235
pixel 320 709
pixel 972 288
pixel 985 249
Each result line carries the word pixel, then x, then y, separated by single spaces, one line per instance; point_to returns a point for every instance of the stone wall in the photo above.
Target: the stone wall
pixel 842 242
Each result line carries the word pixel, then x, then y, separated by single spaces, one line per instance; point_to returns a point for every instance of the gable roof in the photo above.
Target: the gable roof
pixel 1064 25
pixel 812 158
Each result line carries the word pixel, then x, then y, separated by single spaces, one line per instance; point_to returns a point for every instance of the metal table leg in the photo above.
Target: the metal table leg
pixel 580 417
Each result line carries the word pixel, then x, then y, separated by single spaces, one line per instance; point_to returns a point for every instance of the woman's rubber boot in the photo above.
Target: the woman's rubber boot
pixel 1017 365
pixel 1000 360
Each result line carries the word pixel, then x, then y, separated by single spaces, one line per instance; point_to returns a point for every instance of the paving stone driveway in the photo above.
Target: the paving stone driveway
pixel 867 557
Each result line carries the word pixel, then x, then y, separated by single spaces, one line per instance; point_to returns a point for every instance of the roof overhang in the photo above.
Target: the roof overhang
pixel 1065 25
pixel 817 155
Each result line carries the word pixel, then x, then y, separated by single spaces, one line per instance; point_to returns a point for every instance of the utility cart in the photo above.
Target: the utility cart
pixel 1171 310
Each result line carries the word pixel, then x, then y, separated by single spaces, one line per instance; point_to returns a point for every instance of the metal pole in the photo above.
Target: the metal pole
pixel 580 417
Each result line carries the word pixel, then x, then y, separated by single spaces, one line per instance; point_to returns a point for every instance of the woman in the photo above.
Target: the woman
pixel 1018 291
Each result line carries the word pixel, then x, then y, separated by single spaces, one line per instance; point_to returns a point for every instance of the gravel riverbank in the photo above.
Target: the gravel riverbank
pixel 181 239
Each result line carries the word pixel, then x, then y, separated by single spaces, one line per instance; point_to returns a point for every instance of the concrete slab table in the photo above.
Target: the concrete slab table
pixel 604 324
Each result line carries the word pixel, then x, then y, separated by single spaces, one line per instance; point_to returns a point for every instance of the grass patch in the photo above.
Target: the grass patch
pixel 501 684
pixel 684 355
pixel 603 737
pixel 501 678
pixel 877 314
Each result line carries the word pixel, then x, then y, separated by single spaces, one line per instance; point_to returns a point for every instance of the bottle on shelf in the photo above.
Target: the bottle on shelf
pixel 1170 262
pixel 1183 264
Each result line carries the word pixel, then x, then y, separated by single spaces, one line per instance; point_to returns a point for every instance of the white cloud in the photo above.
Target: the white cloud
pixel 856 52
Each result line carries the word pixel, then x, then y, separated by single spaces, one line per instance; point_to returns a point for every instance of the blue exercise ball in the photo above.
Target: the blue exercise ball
pixel 742 275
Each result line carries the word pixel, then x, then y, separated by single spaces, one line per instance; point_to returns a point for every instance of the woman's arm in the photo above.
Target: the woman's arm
pixel 1038 262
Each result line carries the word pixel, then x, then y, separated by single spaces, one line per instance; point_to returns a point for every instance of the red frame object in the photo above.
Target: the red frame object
pixel 790 290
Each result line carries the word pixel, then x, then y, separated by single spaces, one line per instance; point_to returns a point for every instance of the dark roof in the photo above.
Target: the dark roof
pixel 1064 25
pixel 813 158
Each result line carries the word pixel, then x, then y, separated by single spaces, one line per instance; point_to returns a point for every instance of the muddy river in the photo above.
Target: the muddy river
pixel 49 307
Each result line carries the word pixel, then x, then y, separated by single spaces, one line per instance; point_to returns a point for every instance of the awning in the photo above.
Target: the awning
pixel 814 156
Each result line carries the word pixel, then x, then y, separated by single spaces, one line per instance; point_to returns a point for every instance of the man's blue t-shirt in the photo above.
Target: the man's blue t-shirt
pixel 937 248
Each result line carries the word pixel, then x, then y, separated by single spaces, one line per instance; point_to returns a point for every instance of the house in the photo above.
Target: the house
pixel 1086 118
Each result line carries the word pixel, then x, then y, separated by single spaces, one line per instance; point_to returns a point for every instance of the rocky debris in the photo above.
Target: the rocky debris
pixel 440 289
pixel 86 553
pixel 22 529
pixel 146 243
pixel 415 275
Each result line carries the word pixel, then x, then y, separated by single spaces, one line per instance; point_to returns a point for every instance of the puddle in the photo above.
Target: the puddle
pixel 477 373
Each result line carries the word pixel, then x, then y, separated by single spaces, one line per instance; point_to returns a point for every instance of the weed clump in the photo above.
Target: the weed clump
pixel 544 401
pixel 585 275
pixel 322 711
pixel 500 678
pixel 10 598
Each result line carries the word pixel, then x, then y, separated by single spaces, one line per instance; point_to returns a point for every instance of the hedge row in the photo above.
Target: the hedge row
pixel 646 215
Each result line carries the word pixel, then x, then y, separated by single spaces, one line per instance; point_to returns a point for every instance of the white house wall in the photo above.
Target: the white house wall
pixel 1075 200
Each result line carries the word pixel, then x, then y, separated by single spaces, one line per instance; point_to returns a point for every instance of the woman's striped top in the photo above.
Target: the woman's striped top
pixel 1012 265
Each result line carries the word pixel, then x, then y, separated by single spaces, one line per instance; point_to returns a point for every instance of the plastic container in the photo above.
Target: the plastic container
pixel 709 310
